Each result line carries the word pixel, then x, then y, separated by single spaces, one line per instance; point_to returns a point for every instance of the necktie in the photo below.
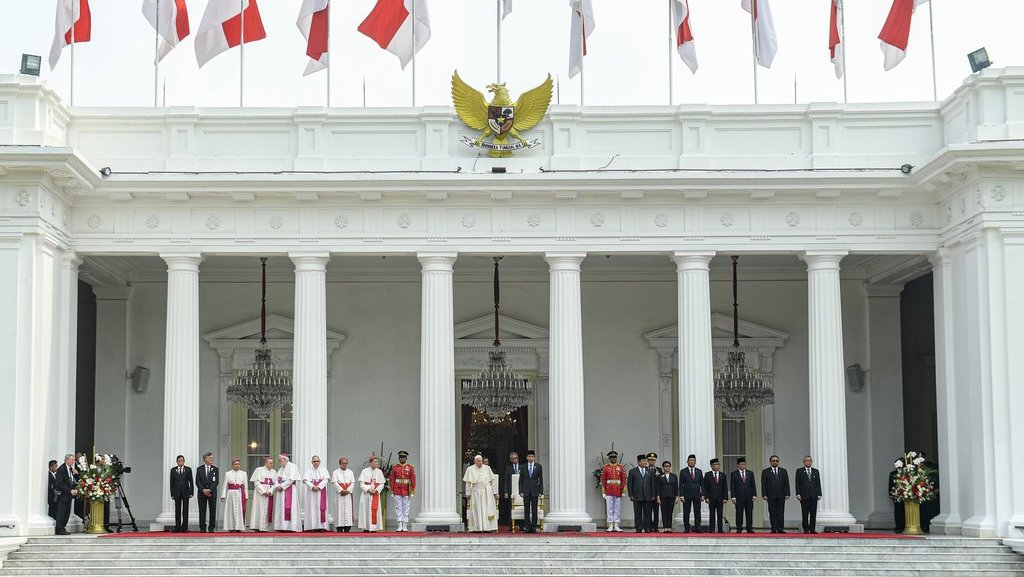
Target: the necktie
pixel 515 469
pixel 180 471
pixel 775 471
pixel 743 476
pixel 716 476
pixel 691 474
pixel 531 469
pixel 642 473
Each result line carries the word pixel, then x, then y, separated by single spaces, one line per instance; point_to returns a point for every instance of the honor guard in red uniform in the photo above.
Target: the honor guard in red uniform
pixel 613 486
pixel 403 487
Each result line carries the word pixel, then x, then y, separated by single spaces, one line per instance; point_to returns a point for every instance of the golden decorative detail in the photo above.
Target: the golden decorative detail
pixel 912 518
pixel 500 118
pixel 95 518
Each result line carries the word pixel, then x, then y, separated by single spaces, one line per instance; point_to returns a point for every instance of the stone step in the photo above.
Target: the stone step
pixel 566 572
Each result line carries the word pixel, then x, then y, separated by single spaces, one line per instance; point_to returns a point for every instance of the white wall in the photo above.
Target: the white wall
pixel 375 374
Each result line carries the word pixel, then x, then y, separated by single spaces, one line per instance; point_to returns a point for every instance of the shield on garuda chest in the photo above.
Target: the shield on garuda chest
pixel 500 118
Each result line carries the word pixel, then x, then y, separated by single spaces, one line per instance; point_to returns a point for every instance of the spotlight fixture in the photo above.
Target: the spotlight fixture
pixel 105 171
pixel 498 169
pixel 30 64
pixel 979 60
pixel 906 168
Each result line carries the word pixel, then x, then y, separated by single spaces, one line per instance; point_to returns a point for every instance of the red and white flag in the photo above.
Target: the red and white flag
pixel 684 34
pixel 764 24
pixel 74 24
pixel 390 25
pixel 170 20
pixel 835 36
pixel 313 23
pixel 222 27
pixel 895 33
pixel 582 27
pixel 506 8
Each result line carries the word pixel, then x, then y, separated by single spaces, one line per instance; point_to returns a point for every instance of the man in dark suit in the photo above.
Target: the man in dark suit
pixel 65 484
pixel 668 493
pixel 775 490
pixel 505 488
pixel 641 488
pixel 808 492
pixel 716 491
pixel 182 490
pixel 744 491
pixel 207 479
pixel 691 480
pixel 654 469
pixel 51 490
pixel 531 487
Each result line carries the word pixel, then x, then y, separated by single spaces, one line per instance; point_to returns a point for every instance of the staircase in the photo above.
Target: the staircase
pixel 510 555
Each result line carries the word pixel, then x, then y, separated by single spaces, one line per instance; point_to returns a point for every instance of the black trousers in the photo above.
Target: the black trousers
pixel 808 513
pixel 687 505
pixel 64 507
pixel 745 508
pixel 530 511
pixel 776 512
pixel 181 514
pixel 204 504
pixel 51 509
pixel 715 510
pixel 668 507
pixel 642 511
pixel 655 509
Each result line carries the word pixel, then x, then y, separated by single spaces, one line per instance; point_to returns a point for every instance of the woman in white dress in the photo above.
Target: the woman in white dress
pixel 234 493
pixel 263 481
pixel 482 489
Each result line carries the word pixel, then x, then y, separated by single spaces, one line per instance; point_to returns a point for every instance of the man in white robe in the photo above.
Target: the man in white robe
pixel 234 493
pixel 482 490
pixel 344 482
pixel 371 503
pixel 286 496
pixel 264 479
pixel 316 480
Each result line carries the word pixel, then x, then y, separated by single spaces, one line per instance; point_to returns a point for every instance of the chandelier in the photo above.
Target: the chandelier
pixel 740 389
pixel 262 387
pixel 497 390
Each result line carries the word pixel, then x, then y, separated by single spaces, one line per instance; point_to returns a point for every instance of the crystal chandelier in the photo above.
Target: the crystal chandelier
pixel 740 389
pixel 262 387
pixel 497 390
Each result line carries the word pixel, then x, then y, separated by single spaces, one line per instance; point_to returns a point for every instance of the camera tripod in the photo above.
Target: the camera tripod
pixel 119 498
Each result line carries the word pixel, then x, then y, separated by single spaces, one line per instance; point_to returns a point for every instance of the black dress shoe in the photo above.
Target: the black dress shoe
pixel 61 532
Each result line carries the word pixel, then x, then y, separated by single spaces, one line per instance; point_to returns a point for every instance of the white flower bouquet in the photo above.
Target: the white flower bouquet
pixel 97 481
pixel 912 482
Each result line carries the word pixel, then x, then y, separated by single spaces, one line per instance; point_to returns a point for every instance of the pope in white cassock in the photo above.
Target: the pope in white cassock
pixel 264 479
pixel 317 479
pixel 482 489
pixel 234 493
pixel 343 480
pixel 371 503
pixel 286 496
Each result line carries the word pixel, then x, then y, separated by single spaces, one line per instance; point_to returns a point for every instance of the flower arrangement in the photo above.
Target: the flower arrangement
pixel 97 481
pixel 912 482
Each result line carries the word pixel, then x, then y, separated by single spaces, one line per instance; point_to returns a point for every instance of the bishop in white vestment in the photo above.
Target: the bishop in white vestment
pixel 371 503
pixel 343 481
pixel 264 479
pixel 317 479
pixel 482 489
pixel 234 493
pixel 286 496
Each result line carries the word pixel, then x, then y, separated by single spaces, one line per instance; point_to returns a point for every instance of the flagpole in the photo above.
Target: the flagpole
pixel 328 53
pixel 497 52
pixel 671 41
pixel 74 5
pixel 364 91
pixel 931 33
pixel 583 46
pixel 842 39
pixel 241 56
pixel 753 38
pixel 414 53
pixel 156 58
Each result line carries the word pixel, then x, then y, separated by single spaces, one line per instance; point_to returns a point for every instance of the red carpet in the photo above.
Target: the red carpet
pixel 623 535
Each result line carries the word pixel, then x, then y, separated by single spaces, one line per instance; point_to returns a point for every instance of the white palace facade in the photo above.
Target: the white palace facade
pixel 879 248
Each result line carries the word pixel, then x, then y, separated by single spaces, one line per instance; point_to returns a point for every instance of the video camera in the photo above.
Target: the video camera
pixel 118 466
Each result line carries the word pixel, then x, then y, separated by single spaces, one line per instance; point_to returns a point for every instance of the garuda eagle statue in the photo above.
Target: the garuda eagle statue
pixel 500 118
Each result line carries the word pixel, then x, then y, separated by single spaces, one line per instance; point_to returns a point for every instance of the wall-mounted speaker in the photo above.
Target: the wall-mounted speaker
pixel 139 379
pixel 855 377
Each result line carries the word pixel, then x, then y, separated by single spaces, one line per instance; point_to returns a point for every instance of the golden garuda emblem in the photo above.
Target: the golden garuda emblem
pixel 500 118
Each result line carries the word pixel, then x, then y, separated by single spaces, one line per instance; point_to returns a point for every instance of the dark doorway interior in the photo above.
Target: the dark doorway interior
pixel 85 376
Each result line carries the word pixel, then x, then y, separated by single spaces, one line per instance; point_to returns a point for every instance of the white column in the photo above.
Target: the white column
pixel 438 464
pixel 696 366
pixel 827 390
pixel 568 482
pixel 949 520
pixel 181 370
pixel 68 352
pixel 309 361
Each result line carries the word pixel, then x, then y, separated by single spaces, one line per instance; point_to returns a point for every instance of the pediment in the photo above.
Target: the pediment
pixel 278 327
pixel 510 328
pixel 751 334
